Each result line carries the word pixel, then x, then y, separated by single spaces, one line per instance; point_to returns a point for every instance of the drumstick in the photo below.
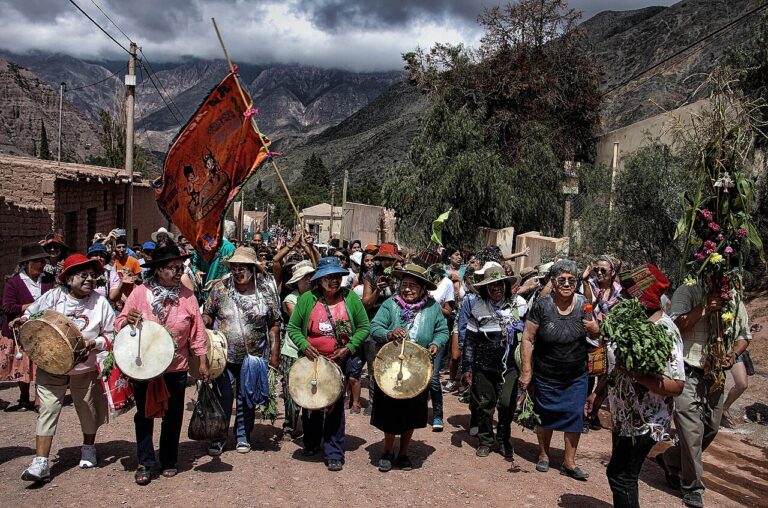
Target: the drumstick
pixel 313 381
pixel 138 350
pixel 19 356
pixel 402 350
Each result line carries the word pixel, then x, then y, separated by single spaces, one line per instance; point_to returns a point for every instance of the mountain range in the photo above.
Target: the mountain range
pixel 362 122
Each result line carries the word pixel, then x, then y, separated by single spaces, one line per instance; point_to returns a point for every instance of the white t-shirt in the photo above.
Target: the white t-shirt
pixel 93 315
pixel 444 291
pixel 33 286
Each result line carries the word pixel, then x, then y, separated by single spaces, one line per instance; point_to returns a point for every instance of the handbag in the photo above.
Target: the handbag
pixel 208 422
pixel 597 361
pixel 746 359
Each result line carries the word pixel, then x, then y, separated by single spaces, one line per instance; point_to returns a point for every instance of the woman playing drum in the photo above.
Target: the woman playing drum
pixel 163 300
pixel 332 322
pixel 247 308
pixel 409 315
pixel 91 313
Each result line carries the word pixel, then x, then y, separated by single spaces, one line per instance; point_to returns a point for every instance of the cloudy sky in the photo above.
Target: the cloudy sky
pixel 358 35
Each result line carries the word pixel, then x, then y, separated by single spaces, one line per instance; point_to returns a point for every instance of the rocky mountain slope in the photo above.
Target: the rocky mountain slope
pixel 28 104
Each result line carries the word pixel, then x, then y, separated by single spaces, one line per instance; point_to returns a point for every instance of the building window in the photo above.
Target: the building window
pixel 90 224
pixel 70 230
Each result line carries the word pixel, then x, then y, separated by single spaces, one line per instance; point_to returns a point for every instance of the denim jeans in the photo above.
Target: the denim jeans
pixel 170 428
pixel 229 390
pixel 328 426
pixel 435 389
pixel 624 468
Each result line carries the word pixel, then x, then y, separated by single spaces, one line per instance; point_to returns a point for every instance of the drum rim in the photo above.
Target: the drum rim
pixel 77 354
pixel 341 383
pixel 396 344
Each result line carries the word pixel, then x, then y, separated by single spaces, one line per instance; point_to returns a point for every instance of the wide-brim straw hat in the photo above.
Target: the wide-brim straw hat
pixel 160 232
pixel 417 272
pixel 486 266
pixel 300 270
pixel 244 255
pixel 496 274
pixel 32 251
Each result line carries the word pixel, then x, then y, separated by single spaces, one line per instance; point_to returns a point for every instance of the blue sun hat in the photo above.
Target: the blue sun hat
pixel 328 266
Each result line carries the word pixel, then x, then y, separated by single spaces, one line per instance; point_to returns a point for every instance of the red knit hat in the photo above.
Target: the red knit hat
pixel 647 284
pixel 78 261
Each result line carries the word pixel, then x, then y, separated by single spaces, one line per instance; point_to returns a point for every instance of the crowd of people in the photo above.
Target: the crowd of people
pixel 504 341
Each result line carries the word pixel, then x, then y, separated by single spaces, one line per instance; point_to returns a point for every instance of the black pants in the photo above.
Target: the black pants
pixel 491 391
pixel 170 429
pixel 624 468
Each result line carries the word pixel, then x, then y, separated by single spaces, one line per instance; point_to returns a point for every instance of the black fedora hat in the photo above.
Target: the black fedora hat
pixel 32 251
pixel 164 255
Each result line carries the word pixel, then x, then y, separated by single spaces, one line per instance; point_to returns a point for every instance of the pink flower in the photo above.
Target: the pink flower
pixel 701 256
pixel 741 233
pixel 725 296
pixel 728 250
pixel 709 246
pixel 720 237
pixel 705 214
pixel 714 226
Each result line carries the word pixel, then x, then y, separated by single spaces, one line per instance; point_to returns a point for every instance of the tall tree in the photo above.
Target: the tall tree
pixel 314 172
pixel 45 153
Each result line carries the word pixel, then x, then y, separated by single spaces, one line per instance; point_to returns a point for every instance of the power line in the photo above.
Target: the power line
pixel 150 69
pixel 678 53
pixel 118 71
pixel 152 80
pixel 110 20
pixel 99 26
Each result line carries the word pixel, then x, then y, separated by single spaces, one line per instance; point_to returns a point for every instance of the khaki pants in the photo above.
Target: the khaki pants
pixel 697 420
pixel 87 395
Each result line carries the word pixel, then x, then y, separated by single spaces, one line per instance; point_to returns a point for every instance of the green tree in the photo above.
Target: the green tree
pixel 314 172
pixel 45 153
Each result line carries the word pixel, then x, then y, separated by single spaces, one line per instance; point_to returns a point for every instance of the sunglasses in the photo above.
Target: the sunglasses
pixel 238 268
pixel 174 269
pixel 88 275
pixel 562 281
pixel 600 270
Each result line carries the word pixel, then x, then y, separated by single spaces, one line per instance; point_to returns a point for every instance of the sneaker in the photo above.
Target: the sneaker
pixel 483 451
pixel 473 431
pixel 335 465
pixel 437 425
pixel 243 447
pixel 216 448
pixel 449 386
pixel 38 471
pixel 88 456
pixel 693 500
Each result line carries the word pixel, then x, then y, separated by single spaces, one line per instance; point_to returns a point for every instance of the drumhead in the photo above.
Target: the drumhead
pixel 146 354
pixel 416 369
pixel 50 341
pixel 326 391
pixel 217 356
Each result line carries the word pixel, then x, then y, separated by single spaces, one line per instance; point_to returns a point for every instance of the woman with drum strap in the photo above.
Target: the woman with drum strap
pixel 411 315
pixel 164 300
pixel 247 308
pixel 27 285
pixel 92 314
pixel 332 322
pixel 492 329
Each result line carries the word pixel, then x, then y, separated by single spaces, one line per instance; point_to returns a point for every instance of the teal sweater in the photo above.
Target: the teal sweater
pixel 358 318
pixel 433 328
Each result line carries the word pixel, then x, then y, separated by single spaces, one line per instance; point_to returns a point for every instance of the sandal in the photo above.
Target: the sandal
pixel 355 409
pixel 576 473
pixel 542 466
pixel 142 475
pixel 170 472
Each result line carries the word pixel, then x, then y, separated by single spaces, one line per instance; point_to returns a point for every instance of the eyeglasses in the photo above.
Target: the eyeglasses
pixel 52 249
pixel 600 270
pixel 562 281
pixel 174 269
pixel 88 275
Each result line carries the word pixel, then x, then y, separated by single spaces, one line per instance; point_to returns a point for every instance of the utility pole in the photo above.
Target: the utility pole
pixel 333 198
pixel 343 204
pixel 61 108
pixel 130 101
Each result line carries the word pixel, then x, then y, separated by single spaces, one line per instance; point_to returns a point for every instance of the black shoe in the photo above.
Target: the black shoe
pixel 483 451
pixel 335 465
pixel 673 481
pixel 576 473
pixel 404 463
pixel 309 452
pixel 693 499
pixel 507 450
pixel 22 405
pixel 385 462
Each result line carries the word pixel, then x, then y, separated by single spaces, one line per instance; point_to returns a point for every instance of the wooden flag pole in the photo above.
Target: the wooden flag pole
pixel 253 122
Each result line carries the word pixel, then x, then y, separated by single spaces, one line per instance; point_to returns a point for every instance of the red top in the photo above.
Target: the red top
pixel 320 331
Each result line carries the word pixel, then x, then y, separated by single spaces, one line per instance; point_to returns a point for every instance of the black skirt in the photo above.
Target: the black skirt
pixel 396 416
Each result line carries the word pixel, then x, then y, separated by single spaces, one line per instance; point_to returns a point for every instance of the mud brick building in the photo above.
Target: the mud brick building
pixel 38 197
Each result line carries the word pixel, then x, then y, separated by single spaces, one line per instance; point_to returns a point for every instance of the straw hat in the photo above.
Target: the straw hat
pixel 496 274
pixel 244 255
pixel 486 266
pixel 300 270
pixel 417 272
pixel 162 231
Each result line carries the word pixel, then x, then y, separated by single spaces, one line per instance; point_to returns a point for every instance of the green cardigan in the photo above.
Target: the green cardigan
pixel 433 328
pixel 358 319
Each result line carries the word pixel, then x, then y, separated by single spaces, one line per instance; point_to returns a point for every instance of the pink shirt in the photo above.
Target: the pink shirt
pixel 320 331
pixel 184 323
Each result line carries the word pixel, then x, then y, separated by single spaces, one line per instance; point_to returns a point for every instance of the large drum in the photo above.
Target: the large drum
pixel 53 342
pixel 143 352
pixel 402 369
pixel 217 356
pixel 315 384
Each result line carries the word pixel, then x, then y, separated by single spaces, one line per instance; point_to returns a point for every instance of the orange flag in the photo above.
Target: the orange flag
pixel 210 160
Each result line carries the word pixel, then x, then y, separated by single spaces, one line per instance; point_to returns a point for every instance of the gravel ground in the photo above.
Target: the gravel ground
pixel 447 472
